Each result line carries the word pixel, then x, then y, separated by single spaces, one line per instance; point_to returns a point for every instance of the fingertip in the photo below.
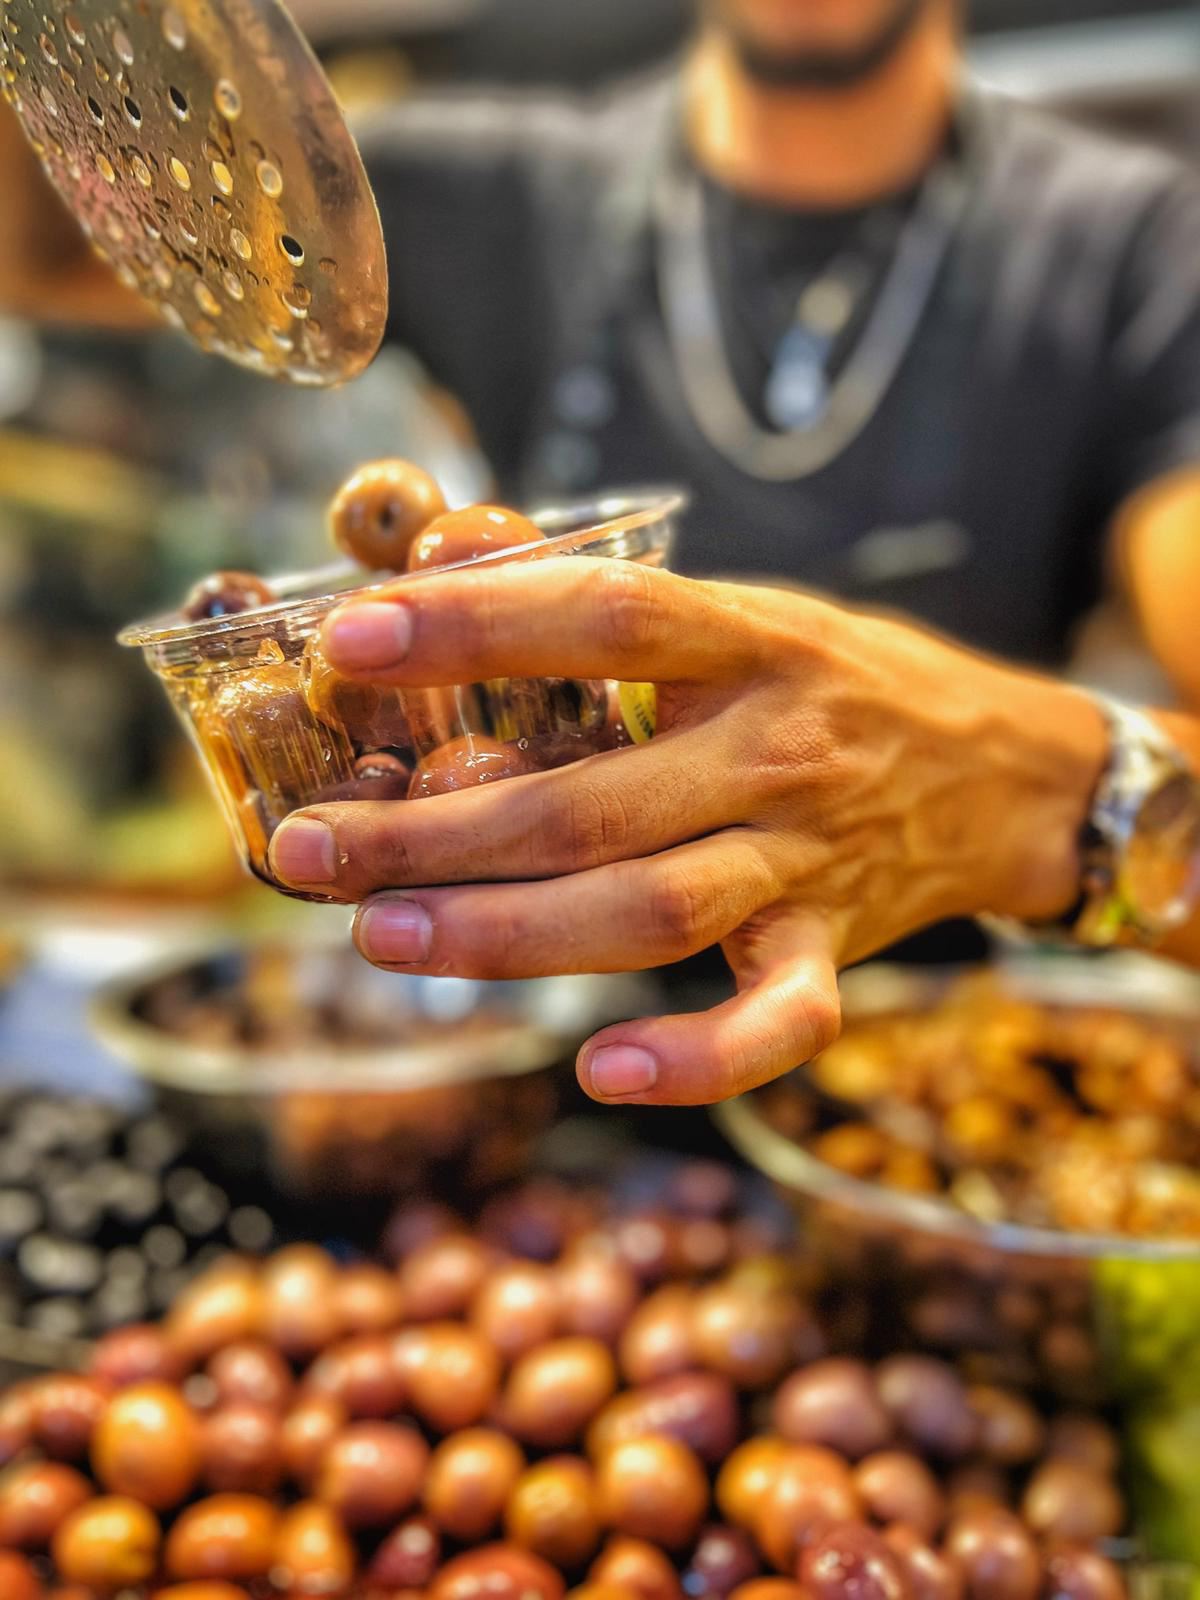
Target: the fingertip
pixel 616 1071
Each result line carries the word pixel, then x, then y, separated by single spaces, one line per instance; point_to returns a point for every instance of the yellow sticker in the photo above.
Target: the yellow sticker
pixel 639 710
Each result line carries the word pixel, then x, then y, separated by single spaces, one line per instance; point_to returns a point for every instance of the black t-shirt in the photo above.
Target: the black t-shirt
pixel 1054 371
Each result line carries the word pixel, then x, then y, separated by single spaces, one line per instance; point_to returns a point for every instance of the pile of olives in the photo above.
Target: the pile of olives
pixel 561 1397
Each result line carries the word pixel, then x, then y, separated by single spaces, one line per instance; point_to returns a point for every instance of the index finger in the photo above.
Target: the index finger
pixel 576 616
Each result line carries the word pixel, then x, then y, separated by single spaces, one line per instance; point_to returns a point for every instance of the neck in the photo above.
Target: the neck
pixel 822 147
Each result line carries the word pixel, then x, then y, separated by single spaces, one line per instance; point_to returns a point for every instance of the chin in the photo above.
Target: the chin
pixel 819 43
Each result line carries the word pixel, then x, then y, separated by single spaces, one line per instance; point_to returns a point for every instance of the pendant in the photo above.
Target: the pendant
pixel 798 389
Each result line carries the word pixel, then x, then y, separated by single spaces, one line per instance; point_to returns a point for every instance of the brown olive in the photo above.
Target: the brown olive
pixel 242 1448
pixel 998 1558
pixel 66 1409
pixel 1079 1436
pixel 1064 1501
pixel 928 1403
pixel 898 1487
pixel 752 1338
pixel 553 1392
pixel 464 763
pixel 109 1543
pixel 18 1580
pixel 536 1220
pixel 408 1557
pixel 441 1278
pixel 552 1511
pixel 417 1223
pixel 16 1423
pixel 469 1480
pixel 931 1574
pixel 652 1489
pixel 452 1373
pixel 146 1445
pixel 703 1189
pixel 470 533
pixel 638 1567
pixel 308 1429
pixel 140 1353
pixel 517 1307
pixel 1011 1430
pixel 1073 1574
pixel 810 1489
pixel 313 1552
pixel 226 594
pixel 202 1591
pixel 369 1299
pixel 647 1243
pixel 769 1589
pixel 833 1402
pixel 228 1536
pixel 300 1314
pixel 698 1408
pixel 362 1373
pixel 252 1374
pixel 497 1572
pixel 36 1498
pixel 852 1562
pixel 372 1473
pixel 977 1486
pixel 223 1307
pixel 597 1295
pixel 748 1473
pixel 600 1591
pixel 380 510
pixel 658 1340
pixel 724 1559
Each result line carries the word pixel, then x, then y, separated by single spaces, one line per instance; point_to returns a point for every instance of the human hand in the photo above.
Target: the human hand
pixel 821 784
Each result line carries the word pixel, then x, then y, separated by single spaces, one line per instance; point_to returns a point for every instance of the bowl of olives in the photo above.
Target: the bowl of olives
pixel 279 729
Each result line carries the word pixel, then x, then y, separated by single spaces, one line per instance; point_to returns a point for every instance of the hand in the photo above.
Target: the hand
pixel 821 784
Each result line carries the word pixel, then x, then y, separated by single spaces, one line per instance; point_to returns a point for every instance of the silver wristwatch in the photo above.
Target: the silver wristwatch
pixel 1141 842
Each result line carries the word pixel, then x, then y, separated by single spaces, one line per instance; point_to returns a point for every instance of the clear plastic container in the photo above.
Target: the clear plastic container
pixel 277 729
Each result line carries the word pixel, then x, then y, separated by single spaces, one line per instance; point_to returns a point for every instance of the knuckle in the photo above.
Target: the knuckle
pixel 585 826
pixel 680 910
pixel 629 610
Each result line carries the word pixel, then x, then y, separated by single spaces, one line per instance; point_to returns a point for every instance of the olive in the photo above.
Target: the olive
pixel 976 1486
pixel 929 1404
pixel 597 1295
pixel 769 1589
pixel 646 1242
pixel 1073 1574
pixel 202 1591
pixel 140 1353
pixel 998 1558
pixel 36 1498
pixel 66 1408
pixel 252 1374
pixel 470 533
pixel 698 1408
pixel 638 1567
pixel 463 763
pixel 242 1450
pixel 744 1479
pixel 752 1338
pixel 362 1373
pixel 16 1423
pixel 553 1392
pixel 931 1574
pixel 898 1487
pixel 833 1402
pixel 300 1301
pixel 724 1559
pixel 469 1480
pixel 372 1473
pixel 313 1552
pixel 852 1562
pixel 380 510
pixel 441 1278
pixel 600 1591
pixel 222 1307
pixel 703 1189
pixel 703 1245
pixel 18 1580
pixel 109 1543
pixel 1079 1436
pixel 497 1572
pixel 552 1511
pixel 452 1374
pixel 146 1445
pixel 517 1307
pixel 658 1340
pixel 226 594
pixel 1011 1430
pixel 369 1299
pixel 408 1557
pixel 652 1489
pixel 367 714
pixel 415 1224
pixel 308 1428
pixel 536 1220
pixel 228 1536
pixel 1064 1501
pixel 810 1489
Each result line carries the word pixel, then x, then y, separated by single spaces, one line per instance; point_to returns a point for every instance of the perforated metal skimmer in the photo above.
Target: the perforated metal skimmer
pixel 200 146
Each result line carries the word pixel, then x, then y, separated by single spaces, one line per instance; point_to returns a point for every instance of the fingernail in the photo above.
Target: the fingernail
pixel 368 637
pixel 304 851
pixel 617 1070
pixel 395 932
